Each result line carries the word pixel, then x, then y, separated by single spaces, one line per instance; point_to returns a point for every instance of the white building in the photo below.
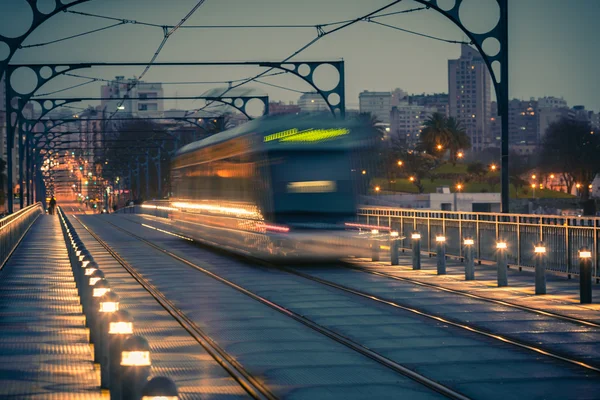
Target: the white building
pixel 443 200
pixel 551 102
pixel 407 122
pixel 379 104
pixel 142 99
pixel 312 102
pixel 469 89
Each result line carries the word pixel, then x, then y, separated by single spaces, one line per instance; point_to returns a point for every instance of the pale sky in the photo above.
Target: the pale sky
pixel 553 45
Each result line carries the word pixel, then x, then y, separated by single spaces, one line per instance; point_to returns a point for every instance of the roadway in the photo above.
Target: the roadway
pixel 224 326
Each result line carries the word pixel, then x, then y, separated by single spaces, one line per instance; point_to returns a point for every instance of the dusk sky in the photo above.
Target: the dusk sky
pixel 554 49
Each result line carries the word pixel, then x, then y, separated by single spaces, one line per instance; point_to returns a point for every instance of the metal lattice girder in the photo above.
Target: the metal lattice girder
pixel 41 12
pixel 492 43
pixel 332 92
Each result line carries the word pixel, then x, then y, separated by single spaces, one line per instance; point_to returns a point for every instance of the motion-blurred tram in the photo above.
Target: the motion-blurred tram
pixel 275 188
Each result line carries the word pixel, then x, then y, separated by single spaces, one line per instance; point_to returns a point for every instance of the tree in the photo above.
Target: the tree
pixel 477 169
pixel 373 123
pixel 572 149
pixel 443 134
pixel 458 139
pixel 519 165
pixel 435 136
pixel 418 166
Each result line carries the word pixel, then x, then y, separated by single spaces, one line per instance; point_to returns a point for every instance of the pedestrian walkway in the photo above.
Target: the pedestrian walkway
pixel 44 344
pixel 562 293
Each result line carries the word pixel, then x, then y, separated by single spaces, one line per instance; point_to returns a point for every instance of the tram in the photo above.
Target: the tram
pixel 275 188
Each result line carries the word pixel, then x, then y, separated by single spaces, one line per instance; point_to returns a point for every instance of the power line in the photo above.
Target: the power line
pixel 172 83
pixel 67 88
pixel 167 35
pixel 321 34
pixel 418 33
pixel 71 37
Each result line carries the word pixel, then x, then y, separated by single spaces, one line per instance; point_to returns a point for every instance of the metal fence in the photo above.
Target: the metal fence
pixel 14 226
pixel 563 236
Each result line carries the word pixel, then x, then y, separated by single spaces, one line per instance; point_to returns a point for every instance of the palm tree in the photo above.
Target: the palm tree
pixel 458 139
pixel 373 123
pixel 435 136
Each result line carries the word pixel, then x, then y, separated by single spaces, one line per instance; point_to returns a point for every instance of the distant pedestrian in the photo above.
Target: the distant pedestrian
pixel 52 205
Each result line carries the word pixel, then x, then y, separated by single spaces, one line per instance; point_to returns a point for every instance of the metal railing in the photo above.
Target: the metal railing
pixel 563 235
pixel 14 226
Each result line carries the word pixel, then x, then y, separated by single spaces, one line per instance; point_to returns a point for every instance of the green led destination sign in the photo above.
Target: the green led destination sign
pixel 308 135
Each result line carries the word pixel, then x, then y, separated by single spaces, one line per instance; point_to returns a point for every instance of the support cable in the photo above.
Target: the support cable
pixel 71 37
pixel 326 33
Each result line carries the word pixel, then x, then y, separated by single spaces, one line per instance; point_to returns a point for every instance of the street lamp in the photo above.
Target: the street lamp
pixel 460 154
pixel 400 163
pixel 459 187
pixel 440 147
pixel 493 167
pixel 412 179
pixel 533 187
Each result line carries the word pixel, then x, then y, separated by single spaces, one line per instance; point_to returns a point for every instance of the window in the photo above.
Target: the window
pixel 142 107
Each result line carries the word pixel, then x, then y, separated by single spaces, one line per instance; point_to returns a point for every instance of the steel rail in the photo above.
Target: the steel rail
pixel 431 384
pixel 458 324
pixel 533 310
pixel 250 384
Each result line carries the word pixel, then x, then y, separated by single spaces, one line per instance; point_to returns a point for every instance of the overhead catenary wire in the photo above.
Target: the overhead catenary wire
pixel 28 46
pixel 321 34
pixel 167 35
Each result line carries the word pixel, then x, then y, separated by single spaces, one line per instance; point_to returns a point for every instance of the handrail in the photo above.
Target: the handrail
pixel 13 228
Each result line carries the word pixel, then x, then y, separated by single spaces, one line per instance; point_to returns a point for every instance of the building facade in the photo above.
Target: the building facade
pixel 312 102
pixel 280 107
pixel 141 99
pixel 379 104
pixel 469 90
pixel 407 122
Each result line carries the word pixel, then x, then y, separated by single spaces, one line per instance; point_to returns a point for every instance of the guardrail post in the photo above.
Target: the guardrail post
pixel 160 387
pixel 585 276
pixel 135 367
pixel 540 268
pixel 416 250
pixel 374 245
pixel 441 254
pixel 394 248
pixel 501 263
pixel 469 261
pixel 119 328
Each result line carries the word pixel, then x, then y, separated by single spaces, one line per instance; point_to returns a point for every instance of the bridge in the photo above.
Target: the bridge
pixel 449 305
pixel 96 304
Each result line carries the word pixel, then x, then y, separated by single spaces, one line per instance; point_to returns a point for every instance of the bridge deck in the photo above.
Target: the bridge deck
pixel 44 346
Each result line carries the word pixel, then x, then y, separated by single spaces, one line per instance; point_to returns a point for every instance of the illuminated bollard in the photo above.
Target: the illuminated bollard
pixel 161 388
pixel 109 304
pixel 416 250
pixel 86 271
pixel 469 260
pixel 120 328
pixel 440 242
pixel 540 268
pixel 394 248
pixel 135 367
pixel 502 265
pixel 585 276
pixel 374 245
pixel 100 289
pixel 87 292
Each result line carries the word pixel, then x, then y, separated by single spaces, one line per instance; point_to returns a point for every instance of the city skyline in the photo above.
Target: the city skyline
pixel 376 58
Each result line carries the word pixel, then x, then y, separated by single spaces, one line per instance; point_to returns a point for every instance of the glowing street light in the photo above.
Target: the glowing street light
pixel 377 188
pixel 460 154
pixel 551 176
pixel 440 147
pixel 459 187
pixel 533 176
pixel 364 172
pixel 412 179
pixel 493 167
pixel 400 163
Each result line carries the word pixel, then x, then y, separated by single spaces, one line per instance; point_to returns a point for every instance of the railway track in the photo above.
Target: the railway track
pixel 534 347
pixel 231 366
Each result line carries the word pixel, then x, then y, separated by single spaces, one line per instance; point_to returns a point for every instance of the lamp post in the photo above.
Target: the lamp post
pixel 501 247
pixel 416 250
pixel 540 268
pixel 469 261
pixel 441 254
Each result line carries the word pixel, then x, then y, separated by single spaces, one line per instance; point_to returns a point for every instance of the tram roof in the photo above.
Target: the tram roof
pixel 270 125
